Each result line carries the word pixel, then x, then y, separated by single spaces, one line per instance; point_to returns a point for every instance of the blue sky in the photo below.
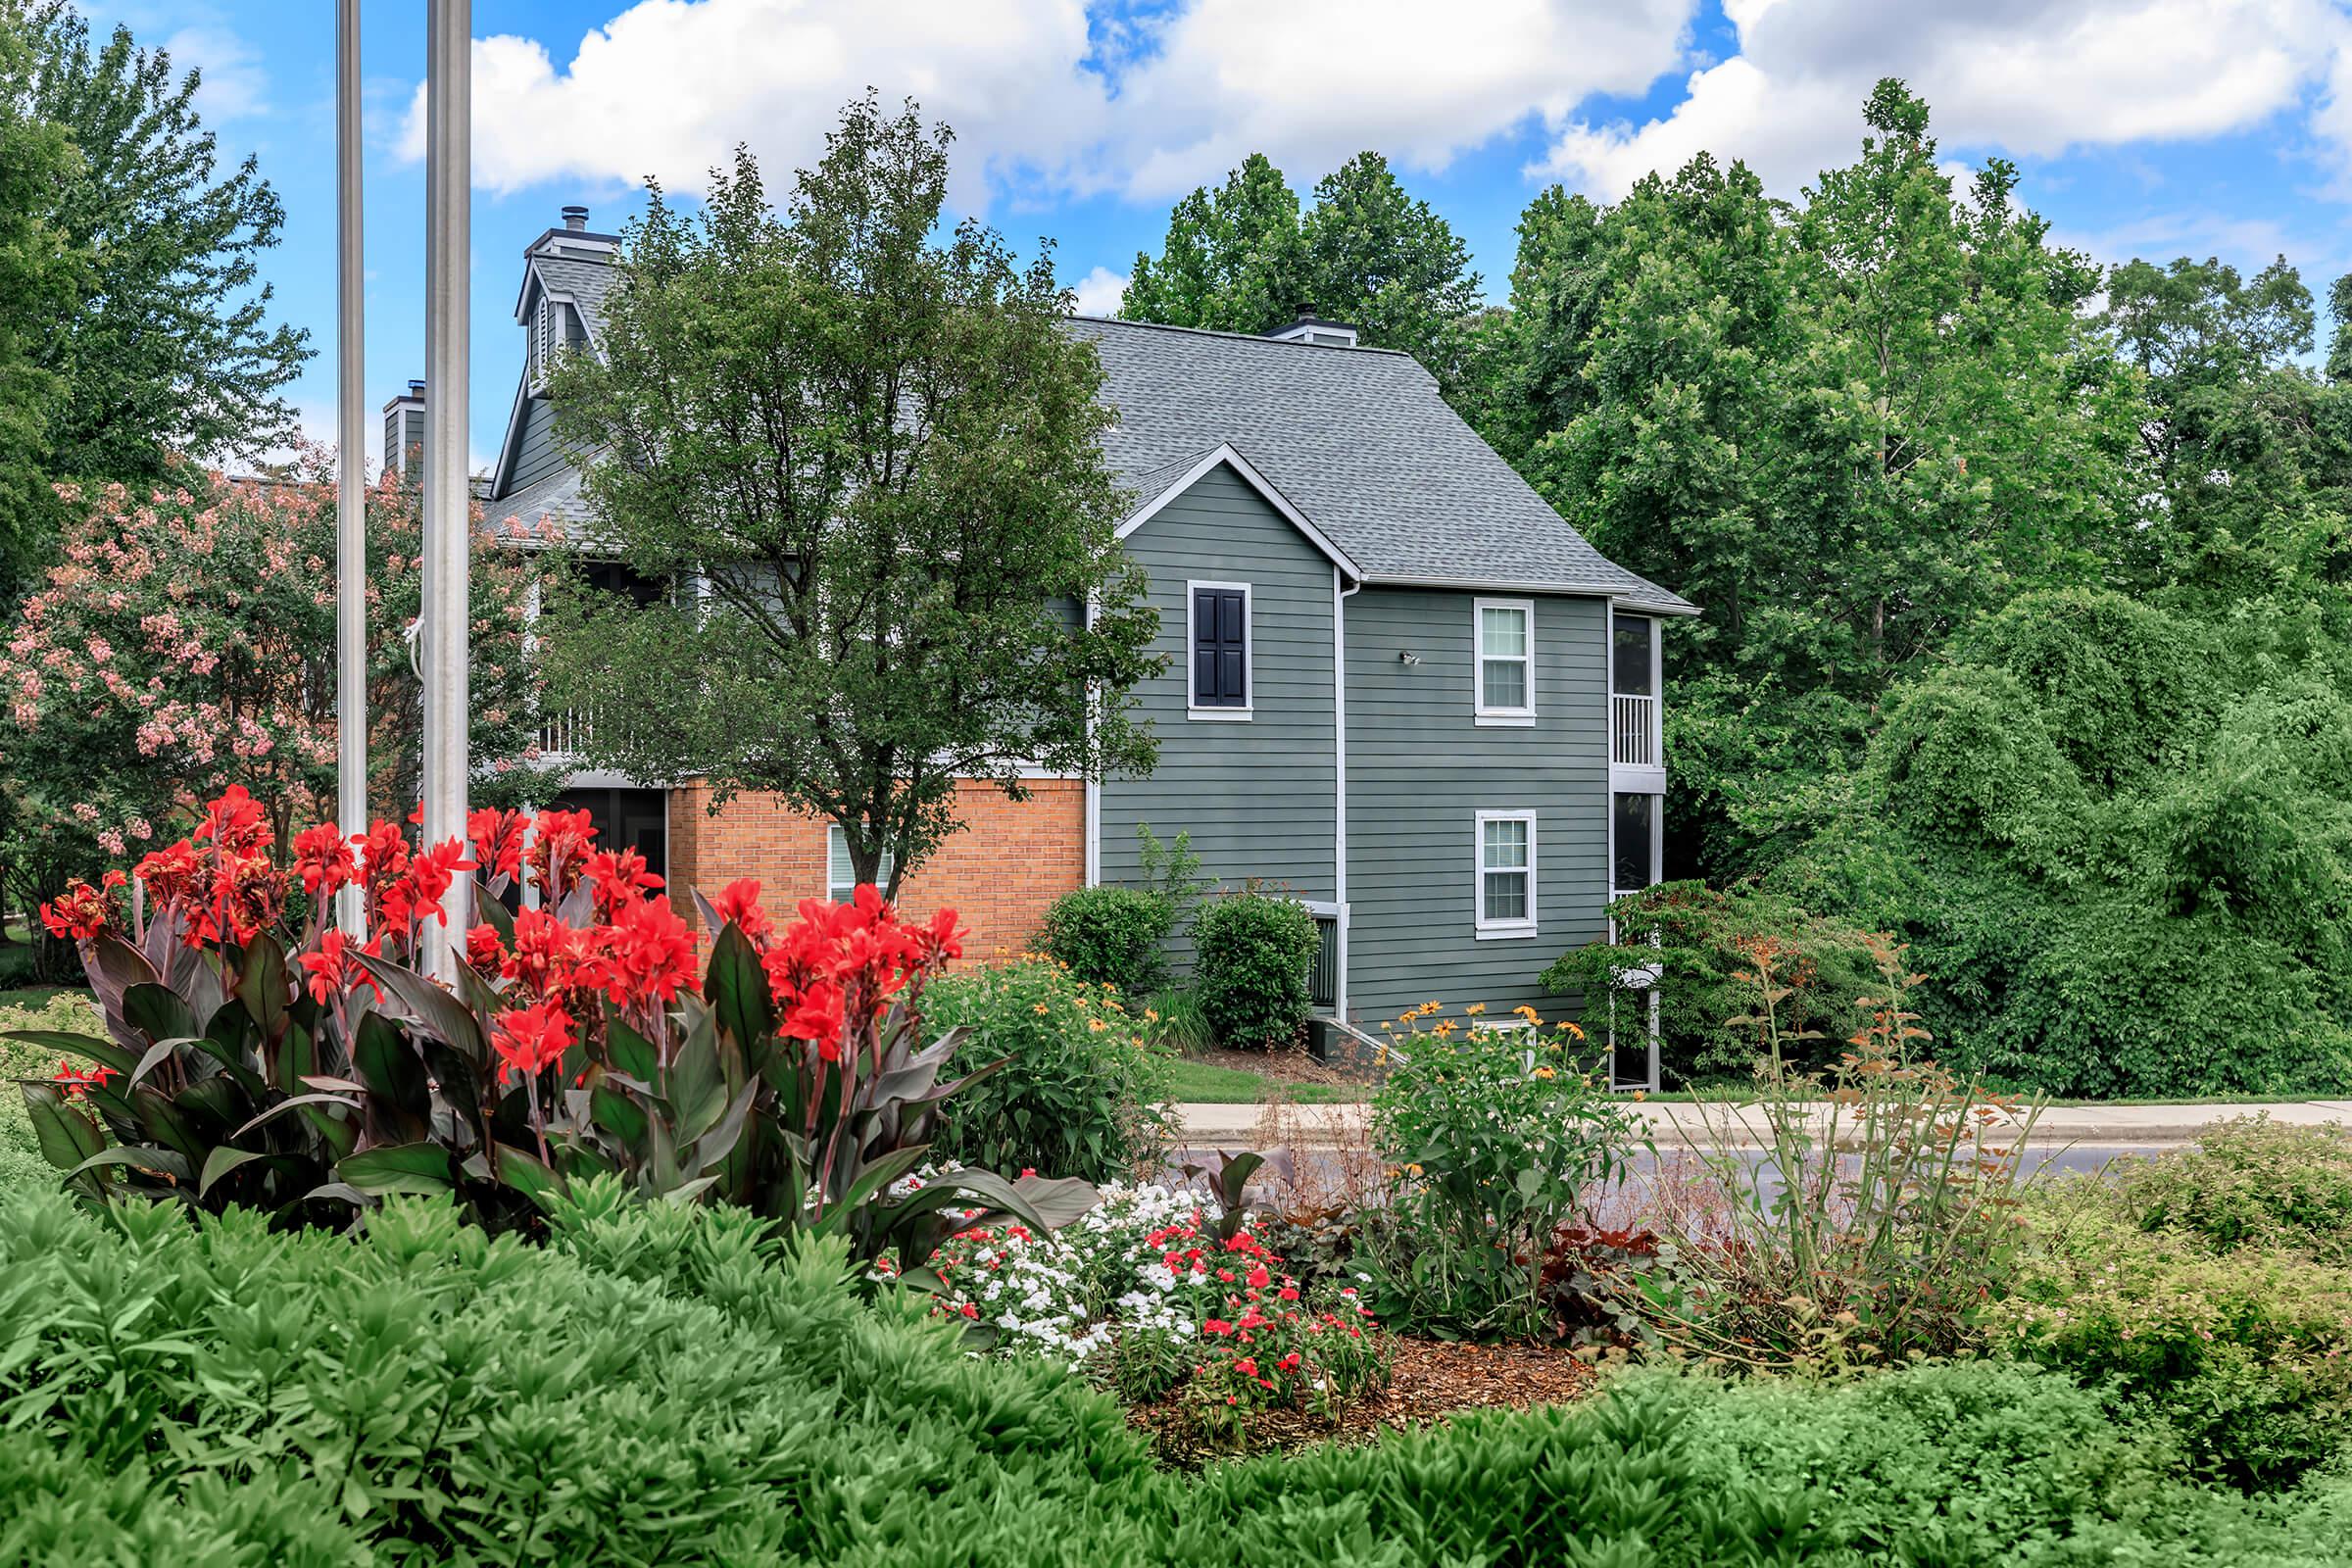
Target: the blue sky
pixel 2154 127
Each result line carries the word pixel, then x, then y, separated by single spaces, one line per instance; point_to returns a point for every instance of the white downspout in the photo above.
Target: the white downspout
pixel 1340 594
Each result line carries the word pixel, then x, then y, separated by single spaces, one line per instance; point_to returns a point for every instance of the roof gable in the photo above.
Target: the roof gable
pixel 1360 442
pixel 1163 485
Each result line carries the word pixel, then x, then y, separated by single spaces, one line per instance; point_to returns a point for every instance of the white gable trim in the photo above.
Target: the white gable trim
pixel 1152 506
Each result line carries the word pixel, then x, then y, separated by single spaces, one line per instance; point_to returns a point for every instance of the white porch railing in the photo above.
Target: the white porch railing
pixel 1633 730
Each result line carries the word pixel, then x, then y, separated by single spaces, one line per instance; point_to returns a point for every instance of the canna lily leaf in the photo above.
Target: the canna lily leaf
pixel 139 1156
pixel 419 1167
pixel 105 1053
pixel 65 1136
pixel 430 1008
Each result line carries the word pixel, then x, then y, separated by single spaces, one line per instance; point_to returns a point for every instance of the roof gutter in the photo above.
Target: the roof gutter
pixel 1669 605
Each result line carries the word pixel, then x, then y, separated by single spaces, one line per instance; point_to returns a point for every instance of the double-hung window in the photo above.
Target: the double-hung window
pixel 1217 638
pixel 1506 874
pixel 1506 629
pixel 840 875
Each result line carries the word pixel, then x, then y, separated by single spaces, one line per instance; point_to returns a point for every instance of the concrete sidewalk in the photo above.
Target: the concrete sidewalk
pixel 1207 1126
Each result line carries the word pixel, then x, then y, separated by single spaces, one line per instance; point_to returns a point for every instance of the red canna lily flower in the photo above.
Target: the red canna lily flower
pixel 530 1039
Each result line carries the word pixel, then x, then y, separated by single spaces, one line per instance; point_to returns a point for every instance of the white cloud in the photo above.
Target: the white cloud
pixel 1311 82
pixel 2034 77
pixel 667 87
pixel 1047 99
pixel 234 85
pixel 1101 291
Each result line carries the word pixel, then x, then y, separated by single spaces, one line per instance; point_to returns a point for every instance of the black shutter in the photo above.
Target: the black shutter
pixel 1220 649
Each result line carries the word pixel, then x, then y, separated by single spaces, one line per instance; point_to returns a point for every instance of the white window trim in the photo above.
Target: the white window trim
pixel 1192 705
pixel 833 890
pixel 1503 930
pixel 1484 713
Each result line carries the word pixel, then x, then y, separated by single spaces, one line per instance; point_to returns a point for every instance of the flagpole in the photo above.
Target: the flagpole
pixel 448 506
pixel 351 477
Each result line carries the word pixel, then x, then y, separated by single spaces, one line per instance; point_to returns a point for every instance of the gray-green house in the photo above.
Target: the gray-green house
pixel 1399 682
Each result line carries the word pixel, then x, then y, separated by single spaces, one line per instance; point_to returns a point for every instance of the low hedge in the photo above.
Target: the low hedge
pixel 663 1384
pixel 2211 1289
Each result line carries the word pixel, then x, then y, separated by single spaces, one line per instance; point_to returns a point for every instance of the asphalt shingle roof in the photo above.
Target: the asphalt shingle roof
pixel 1360 442
pixel 1357 439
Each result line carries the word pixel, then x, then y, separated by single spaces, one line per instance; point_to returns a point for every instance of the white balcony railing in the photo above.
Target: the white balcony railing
pixel 566 731
pixel 1633 730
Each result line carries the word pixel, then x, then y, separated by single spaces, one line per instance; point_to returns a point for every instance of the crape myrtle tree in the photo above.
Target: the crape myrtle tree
pixel 184 642
pixel 868 461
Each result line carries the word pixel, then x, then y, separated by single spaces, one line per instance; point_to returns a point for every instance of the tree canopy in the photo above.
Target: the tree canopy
pixel 1243 259
pixel 2024 631
pixel 41 273
pixel 168 345
pixel 868 463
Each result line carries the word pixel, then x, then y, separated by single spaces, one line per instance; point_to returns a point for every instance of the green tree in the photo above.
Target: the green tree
pixel 1844 427
pixel 40 276
pixel 1234 261
pixel 2249 450
pixel 170 348
pixel 878 459
pixel 1243 260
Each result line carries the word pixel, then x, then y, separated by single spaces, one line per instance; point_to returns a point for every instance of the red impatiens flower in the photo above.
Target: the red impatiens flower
pixel 322 858
pixel 530 1040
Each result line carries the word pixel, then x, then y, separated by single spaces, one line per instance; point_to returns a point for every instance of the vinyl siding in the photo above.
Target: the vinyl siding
pixel 1259 797
pixel 536 455
pixel 1419 770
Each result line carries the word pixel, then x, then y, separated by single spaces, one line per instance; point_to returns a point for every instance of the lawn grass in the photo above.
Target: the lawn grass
pixel 1199 1082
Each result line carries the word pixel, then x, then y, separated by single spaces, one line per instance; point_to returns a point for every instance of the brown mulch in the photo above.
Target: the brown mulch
pixel 1292 1064
pixel 1430 1381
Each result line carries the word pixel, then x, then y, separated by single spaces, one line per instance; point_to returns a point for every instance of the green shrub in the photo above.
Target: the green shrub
pixel 2247 1355
pixel 1083 1087
pixel 1499 1137
pixel 1254 960
pixel 1691 933
pixel 1111 936
pixel 664 1383
pixel 2249 1182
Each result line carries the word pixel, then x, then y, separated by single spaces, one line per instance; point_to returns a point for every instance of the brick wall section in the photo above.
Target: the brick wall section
pixel 1000 873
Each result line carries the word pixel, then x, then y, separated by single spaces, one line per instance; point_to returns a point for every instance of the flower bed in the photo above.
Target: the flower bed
pixel 1145 1294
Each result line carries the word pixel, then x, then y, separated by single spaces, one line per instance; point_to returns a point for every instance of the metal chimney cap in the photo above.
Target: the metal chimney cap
pixel 576 219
